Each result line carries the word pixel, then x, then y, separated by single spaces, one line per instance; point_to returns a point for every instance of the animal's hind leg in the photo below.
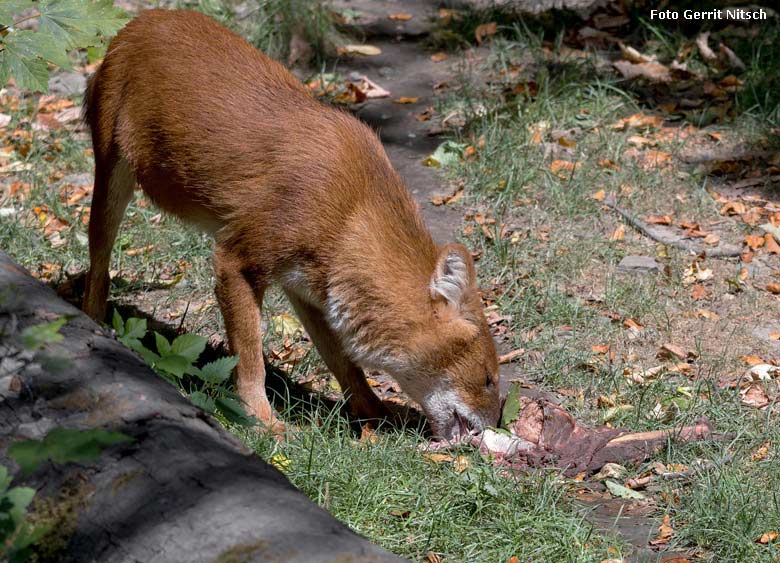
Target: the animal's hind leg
pixel 113 190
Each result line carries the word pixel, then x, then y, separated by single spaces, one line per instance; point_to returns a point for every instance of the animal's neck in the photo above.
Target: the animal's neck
pixel 378 293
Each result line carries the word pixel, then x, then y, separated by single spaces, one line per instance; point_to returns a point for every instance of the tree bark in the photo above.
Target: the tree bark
pixel 183 490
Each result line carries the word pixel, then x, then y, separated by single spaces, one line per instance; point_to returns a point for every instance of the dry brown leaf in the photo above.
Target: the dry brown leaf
pixel 768 537
pixel 460 464
pixel 485 31
pixel 563 168
pixel 733 208
pixel 619 234
pixel 754 242
pixel 634 56
pixel 761 452
pixel 631 323
pixel 639 141
pixel 137 251
pixel 364 50
pixel 439 57
pixel 752 360
pixel 400 16
pixel 367 434
pixel 443 200
pixel 770 244
pixel 659 219
pixel 438 457
pixel 665 532
pixel 510 356
pixel 698 291
pixel 639 121
pixel 754 395
pixel 705 314
pixel 668 350
pixel 607 163
pixel 712 239
pixel 599 195
pixel 773 288
pixel 405 100
pixel 653 71
pixel 600 348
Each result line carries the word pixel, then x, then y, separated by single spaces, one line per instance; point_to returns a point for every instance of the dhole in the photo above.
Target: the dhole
pixel 296 193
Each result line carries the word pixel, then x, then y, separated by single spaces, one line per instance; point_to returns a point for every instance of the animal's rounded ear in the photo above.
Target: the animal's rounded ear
pixel 453 275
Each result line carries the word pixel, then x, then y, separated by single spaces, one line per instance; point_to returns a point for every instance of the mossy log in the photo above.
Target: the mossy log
pixel 184 489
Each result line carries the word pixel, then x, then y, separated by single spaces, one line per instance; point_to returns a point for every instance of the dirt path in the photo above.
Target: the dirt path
pixel 405 69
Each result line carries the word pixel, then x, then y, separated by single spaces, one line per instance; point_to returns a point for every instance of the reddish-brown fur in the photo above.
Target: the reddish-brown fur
pixel 296 193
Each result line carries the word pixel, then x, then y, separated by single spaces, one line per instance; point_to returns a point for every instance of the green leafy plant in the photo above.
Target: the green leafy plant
pixel 206 387
pixel 16 534
pixel 64 445
pixel 37 336
pixel 62 25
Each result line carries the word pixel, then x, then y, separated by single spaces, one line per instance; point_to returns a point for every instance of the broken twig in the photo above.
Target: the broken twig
pixel 670 239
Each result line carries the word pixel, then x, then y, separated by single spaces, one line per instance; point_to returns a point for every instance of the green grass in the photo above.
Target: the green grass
pixel 386 489
pixel 559 270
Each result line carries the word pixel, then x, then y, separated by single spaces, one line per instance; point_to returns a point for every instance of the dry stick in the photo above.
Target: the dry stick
pixel 669 239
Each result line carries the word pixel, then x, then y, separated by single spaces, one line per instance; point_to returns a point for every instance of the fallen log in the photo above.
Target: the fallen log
pixel 183 488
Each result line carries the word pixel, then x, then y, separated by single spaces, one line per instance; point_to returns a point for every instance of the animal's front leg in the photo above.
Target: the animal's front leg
pixel 362 400
pixel 240 302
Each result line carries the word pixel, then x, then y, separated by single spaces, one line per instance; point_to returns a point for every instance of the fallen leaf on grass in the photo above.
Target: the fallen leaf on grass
pixel 768 537
pixel 404 100
pixel 695 273
pixel 281 462
pixel 649 159
pixel 665 532
pixel 770 244
pixel 599 195
pixel 286 326
pixel 733 208
pixel 754 395
pixel 400 16
pixel 760 453
pixel 634 56
pixel 452 198
pixel 137 251
pixel 439 57
pixel 618 490
pixel 446 154
pixel 638 121
pixel 698 291
pixel 619 233
pixel 668 350
pixel 563 168
pixel 639 141
pixel 371 90
pixel 437 457
pixel 705 314
pixel 364 50
pixel 659 219
pixel 773 288
pixel 652 71
pixel 484 31
pixel 510 356
pixel 754 242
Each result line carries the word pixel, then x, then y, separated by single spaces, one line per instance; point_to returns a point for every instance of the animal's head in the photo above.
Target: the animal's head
pixel 455 363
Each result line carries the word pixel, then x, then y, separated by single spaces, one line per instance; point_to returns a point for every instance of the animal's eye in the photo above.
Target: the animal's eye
pixel 488 381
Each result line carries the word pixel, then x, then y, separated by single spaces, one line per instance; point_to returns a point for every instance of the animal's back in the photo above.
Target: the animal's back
pixel 210 125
